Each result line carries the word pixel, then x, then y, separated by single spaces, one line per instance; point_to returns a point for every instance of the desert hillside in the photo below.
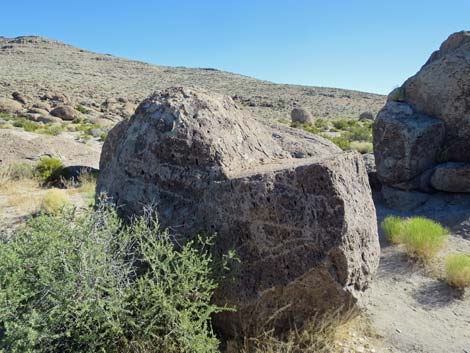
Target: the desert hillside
pixel 38 66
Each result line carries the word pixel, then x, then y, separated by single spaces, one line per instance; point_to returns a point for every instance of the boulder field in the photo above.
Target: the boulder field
pixel 296 209
pixel 422 135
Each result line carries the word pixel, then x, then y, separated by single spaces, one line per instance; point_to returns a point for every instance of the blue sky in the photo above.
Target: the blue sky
pixel 365 45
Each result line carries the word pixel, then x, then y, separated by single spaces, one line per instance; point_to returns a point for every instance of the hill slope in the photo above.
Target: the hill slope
pixel 36 66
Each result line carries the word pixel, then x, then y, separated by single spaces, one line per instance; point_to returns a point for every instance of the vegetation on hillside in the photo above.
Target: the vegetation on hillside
pixel 348 134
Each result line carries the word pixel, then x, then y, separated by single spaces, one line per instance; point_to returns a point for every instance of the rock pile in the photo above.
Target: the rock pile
pixel 296 209
pixel 422 135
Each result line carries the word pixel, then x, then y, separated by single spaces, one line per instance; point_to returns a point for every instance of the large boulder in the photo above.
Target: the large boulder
pixel 297 210
pixel 406 143
pixel 441 89
pixel 425 123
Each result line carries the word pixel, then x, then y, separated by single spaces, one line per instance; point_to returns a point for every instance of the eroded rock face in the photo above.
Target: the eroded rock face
pixel 426 122
pixel 297 210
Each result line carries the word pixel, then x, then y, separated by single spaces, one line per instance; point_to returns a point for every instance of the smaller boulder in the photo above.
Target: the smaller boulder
pixel 301 115
pixel 11 106
pixel 21 98
pixel 451 177
pixel 65 112
pixel 366 116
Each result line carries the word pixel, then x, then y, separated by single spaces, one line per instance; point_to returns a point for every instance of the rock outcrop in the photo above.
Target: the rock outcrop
pixel 425 123
pixel 297 210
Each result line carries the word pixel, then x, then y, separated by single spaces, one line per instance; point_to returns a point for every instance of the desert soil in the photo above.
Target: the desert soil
pixel 408 305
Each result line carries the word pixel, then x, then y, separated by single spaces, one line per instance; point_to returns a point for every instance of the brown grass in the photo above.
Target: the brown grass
pixel 326 334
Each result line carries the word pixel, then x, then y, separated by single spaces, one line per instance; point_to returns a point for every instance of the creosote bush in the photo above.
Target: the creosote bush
pixel 89 283
pixel 48 169
pixel 422 237
pixel 457 270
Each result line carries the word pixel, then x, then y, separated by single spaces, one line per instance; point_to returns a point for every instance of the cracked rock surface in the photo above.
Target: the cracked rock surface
pixel 297 210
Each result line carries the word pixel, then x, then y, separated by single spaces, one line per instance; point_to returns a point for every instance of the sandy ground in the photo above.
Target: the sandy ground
pixel 408 306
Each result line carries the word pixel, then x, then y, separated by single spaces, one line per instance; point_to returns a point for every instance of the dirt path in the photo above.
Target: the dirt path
pixel 411 309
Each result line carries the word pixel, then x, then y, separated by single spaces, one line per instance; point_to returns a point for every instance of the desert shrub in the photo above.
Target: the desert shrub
pixel 54 201
pixel 321 124
pixel 81 109
pixel 19 171
pixel 359 133
pixel 52 130
pixel 103 136
pixel 339 141
pixel 306 127
pixel 85 282
pixel 457 269
pixel 362 146
pixel 26 124
pixel 393 227
pixel 345 124
pixel 48 169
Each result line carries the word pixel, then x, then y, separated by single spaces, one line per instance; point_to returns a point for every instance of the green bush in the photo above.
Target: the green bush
pixel 48 169
pixel 345 124
pixel 88 283
pixel 424 237
pixel 457 268
pixel 53 130
pixel 393 227
pixel 339 141
pixel 359 133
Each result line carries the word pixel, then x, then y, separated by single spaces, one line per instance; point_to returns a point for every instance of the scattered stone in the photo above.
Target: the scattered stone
pixel 21 98
pixel 65 112
pixel 301 115
pixel 304 228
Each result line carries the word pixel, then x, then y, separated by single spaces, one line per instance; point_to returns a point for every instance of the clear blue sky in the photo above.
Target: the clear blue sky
pixel 365 45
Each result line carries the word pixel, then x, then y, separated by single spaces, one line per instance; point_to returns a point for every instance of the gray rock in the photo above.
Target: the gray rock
pixel 451 177
pixel 301 115
pixel 403 200
pixel 440 89
pixel 21 98
pixel 405 143
pixel 65 112
pixel 304 228
pixel 369 161
pixel 11 106
pixel 366 116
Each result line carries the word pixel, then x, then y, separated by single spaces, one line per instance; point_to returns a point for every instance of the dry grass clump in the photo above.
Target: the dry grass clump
pixel 322 334
pixel 362 146
pixel 54 200
pixel 423 238
pixel 457 270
